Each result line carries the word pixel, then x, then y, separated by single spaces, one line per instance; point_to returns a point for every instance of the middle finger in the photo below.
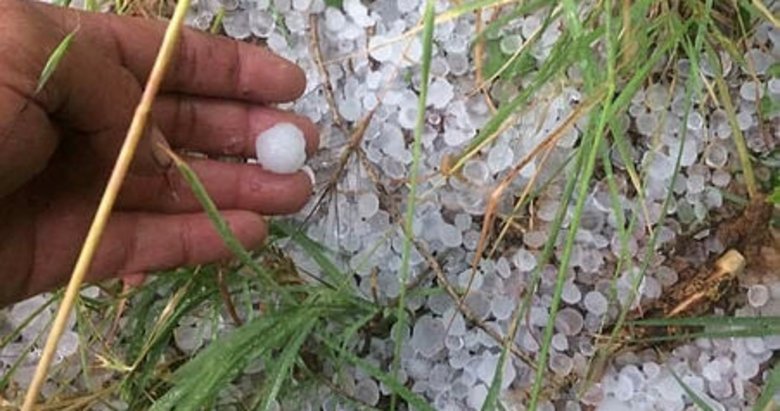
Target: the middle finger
pixel 222 127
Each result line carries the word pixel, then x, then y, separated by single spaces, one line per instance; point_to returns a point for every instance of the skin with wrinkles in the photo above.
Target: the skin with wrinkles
pixel 57 147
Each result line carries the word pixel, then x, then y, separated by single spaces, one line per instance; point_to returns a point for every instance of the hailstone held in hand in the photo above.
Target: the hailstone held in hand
pixel 281 149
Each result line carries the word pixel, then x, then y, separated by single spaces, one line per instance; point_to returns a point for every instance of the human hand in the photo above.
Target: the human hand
pixel 57 147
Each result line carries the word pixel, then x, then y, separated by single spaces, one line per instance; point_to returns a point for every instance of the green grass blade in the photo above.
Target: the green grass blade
pixel 427 43
pixel 198 382
pixel 216 25
pixel 710 321
pixel 726 101
pixel 18 330
pixel 224 231
pixel 282 364
pixel 83 333
pixel 590 149
pixel 678 29
pixel 352 330
pixel 497 65
pixel 713 327
pixel 765 401
pixel 491 400
pixel 494 27
pixel 54 60
pixel 547 253
pixel 536 276
pixel 5 380
pixel 316 251
pixel 736 333
pixel 151 323
pixel 146 306
pixel 697 400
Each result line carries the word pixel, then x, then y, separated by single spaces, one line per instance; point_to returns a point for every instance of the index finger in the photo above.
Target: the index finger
pixel 203 64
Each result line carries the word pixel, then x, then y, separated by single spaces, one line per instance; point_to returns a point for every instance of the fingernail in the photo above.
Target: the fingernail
pixel 309 172
pixel 159 144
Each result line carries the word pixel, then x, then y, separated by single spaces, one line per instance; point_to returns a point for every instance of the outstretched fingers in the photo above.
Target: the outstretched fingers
pixel 203 65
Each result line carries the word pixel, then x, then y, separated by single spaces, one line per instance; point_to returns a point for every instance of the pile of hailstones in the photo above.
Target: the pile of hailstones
pixel 444 358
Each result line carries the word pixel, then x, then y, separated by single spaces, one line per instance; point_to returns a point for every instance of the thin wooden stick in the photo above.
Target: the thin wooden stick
pixel 118 174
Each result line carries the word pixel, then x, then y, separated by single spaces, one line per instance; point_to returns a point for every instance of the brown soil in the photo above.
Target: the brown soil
pixel 748 233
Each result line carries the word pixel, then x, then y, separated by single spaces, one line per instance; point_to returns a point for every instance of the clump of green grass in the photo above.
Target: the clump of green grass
pixel 664 34
pixel 297 321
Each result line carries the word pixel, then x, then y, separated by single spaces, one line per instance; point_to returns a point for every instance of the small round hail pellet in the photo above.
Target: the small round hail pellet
pixel 281 149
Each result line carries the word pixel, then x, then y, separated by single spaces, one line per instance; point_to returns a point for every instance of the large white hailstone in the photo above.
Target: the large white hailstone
pixel 281 149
